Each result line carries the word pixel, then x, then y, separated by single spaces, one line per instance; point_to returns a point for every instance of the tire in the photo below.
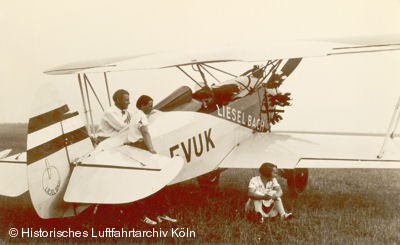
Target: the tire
pixel 297 180
pixel 209 181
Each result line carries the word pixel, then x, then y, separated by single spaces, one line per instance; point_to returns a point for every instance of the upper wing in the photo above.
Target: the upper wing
pixel 13 179
pixel 248 53
pixel 315 150
pixel 365 40
pixel 134 174
pixel 76 67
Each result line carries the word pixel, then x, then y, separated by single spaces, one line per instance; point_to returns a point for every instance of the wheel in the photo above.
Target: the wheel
pixel 209 181
pixel 297 180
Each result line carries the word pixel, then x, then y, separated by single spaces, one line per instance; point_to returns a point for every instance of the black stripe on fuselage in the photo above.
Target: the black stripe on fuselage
pixel 12 162
pixel 56 144
pixel 46 119
pixel 117 167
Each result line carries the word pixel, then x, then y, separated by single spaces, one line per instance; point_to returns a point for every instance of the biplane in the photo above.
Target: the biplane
pixel 197 133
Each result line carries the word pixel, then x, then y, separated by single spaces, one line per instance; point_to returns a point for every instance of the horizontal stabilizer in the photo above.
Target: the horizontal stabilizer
pixel 120 175
pixel 314 150
pixel 13 178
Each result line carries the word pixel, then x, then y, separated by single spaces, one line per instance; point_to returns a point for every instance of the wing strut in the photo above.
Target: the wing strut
pixel 108 90
pixel 222 71
pixel 209 73
pixel 392 128
pixel 84 103
pixel 92 131
pixel 94 92
pixel 202 75
pixel 187 74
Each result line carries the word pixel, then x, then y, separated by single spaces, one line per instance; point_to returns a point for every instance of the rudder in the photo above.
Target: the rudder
pixel 55 140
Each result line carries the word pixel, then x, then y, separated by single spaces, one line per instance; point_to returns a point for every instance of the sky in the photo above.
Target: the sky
pixel 38 35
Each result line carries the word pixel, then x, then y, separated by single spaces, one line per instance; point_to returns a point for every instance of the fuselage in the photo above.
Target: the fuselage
pixel 203 140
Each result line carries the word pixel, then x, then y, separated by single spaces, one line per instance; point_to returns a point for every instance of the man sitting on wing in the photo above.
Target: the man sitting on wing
pixel 116 117
pixel 265 195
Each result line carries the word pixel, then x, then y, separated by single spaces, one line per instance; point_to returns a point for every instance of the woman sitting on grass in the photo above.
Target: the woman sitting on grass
pixel 265 195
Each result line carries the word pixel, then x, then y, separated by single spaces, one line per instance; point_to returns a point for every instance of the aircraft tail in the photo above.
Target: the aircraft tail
pixel 55 140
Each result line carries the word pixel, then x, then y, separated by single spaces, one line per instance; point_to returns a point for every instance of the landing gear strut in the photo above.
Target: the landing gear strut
pixel 297 180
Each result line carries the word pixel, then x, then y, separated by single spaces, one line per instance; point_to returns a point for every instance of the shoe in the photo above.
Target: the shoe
pixel 166 218
pixel 148 221
pixel 287 216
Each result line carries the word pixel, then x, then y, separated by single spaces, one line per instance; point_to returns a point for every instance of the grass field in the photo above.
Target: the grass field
pixel 338 207
pixel 13 136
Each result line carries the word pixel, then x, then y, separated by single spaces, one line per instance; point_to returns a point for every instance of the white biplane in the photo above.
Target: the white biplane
pixel 197 134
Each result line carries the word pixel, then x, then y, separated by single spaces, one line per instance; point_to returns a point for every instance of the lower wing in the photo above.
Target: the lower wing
pixel 121 174
pixel 13 180
pixel 315 150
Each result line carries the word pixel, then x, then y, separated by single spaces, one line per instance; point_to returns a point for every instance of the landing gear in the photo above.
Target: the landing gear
pixel 297 180
pixel 209 181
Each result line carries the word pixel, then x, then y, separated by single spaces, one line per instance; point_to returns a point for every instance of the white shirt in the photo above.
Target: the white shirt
pixel 139 119
pixel 113 121
pixel 257 184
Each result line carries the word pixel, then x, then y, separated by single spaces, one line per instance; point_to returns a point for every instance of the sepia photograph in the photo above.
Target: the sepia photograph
pixel 200 122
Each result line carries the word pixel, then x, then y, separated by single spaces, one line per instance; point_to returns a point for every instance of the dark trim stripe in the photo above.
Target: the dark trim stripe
pixel 331 133
pixel 348 159
pixel 46 119
pixel 12 162
pixel 70 115
pixel 56 144
pixel 116 167
pixel 368 46
pixel 364 51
